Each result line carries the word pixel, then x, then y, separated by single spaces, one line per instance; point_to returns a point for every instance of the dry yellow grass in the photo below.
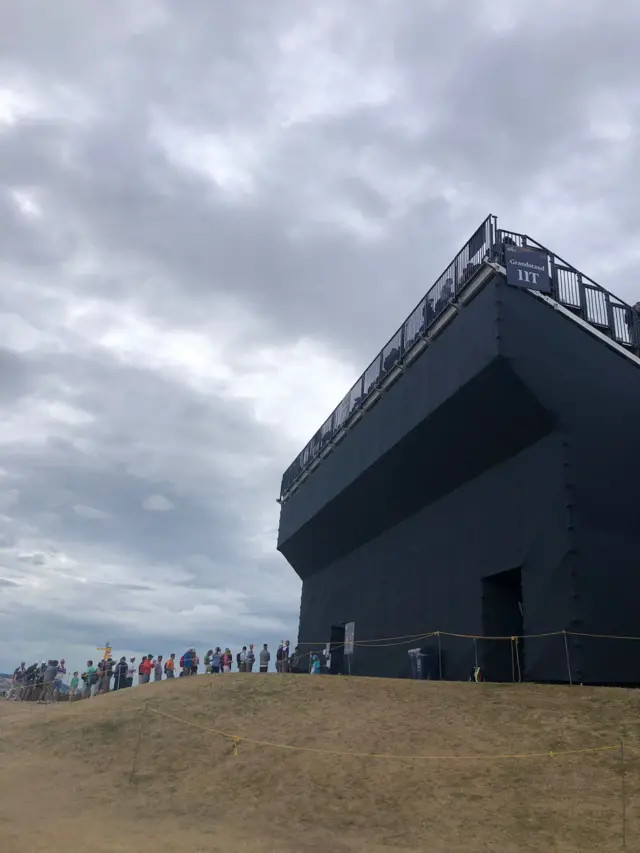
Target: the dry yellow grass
pixel 66 784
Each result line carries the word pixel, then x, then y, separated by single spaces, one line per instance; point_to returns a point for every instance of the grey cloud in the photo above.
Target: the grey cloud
pixel 151 426
pixel 157 503
pixel 89 512
pixel 16 380
pixel 33 559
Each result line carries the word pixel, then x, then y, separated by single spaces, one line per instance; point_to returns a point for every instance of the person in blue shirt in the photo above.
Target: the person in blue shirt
pixel 187 662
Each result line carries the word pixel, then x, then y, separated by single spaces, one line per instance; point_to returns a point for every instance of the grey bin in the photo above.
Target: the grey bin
pixel 422 664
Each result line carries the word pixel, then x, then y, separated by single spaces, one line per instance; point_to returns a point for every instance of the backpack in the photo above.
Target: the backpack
pixel 182 662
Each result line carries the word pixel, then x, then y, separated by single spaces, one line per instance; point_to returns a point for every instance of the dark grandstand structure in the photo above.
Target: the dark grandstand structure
pixel 482 477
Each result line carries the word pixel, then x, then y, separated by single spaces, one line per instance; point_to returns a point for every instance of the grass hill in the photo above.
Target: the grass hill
pixel 66 781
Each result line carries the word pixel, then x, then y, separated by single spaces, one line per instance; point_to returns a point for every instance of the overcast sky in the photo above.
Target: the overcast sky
pixel 212 216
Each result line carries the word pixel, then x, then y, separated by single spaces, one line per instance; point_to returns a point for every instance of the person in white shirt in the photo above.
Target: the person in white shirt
pixel 250 659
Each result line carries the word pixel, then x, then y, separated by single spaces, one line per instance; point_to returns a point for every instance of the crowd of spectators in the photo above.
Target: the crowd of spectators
pixel 46 682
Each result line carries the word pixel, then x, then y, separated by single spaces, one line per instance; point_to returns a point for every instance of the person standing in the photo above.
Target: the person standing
pixel 73 686
pixel 216 662
pixel 226 660
pixel 242 660
pixel 131 672
pixel 145 670
pixel 19 681
pixel 120 674
pixel 250 659
pixel 187 662
pixel 93 679
pixel 170 666
pixel 157 669
pixel 265 657
pixel 286 657
pixel 48 682
pixel 57 684
pixel 107 672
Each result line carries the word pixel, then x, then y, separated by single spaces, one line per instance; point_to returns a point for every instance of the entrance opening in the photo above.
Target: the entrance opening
pixel 337 649
pixel 502 616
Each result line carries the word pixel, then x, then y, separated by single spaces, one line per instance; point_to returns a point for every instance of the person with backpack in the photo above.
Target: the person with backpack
pixel 241 659
pixel 169 667
pixel 186 662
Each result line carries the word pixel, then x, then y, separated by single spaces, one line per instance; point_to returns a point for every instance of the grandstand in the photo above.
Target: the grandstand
pixel 480 478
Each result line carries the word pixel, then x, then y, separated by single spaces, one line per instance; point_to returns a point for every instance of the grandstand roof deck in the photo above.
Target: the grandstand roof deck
pixel 579 297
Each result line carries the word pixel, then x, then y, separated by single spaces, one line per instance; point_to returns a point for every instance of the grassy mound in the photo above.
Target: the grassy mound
pixel 73 766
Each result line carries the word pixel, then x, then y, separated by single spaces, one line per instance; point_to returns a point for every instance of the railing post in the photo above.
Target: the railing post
pixel 610 319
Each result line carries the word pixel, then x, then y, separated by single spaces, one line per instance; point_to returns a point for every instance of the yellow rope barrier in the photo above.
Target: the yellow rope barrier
pixel 381 642
pixel 236 740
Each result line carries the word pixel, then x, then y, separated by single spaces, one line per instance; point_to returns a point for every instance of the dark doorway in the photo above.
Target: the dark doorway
pixel 502 616
pixel 337 649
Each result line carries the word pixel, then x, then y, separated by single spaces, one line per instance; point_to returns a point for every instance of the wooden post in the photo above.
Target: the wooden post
pixel 623 790
pixel 439 655
pixel 566 650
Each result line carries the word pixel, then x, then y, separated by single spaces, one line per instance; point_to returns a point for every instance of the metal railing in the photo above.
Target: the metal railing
pixel 570 288
pixel 583 296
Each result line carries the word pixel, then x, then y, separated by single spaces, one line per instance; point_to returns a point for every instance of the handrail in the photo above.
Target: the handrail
pixel 570 288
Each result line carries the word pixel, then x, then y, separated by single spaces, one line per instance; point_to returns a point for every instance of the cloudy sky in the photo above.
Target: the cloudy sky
pixel 213 214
